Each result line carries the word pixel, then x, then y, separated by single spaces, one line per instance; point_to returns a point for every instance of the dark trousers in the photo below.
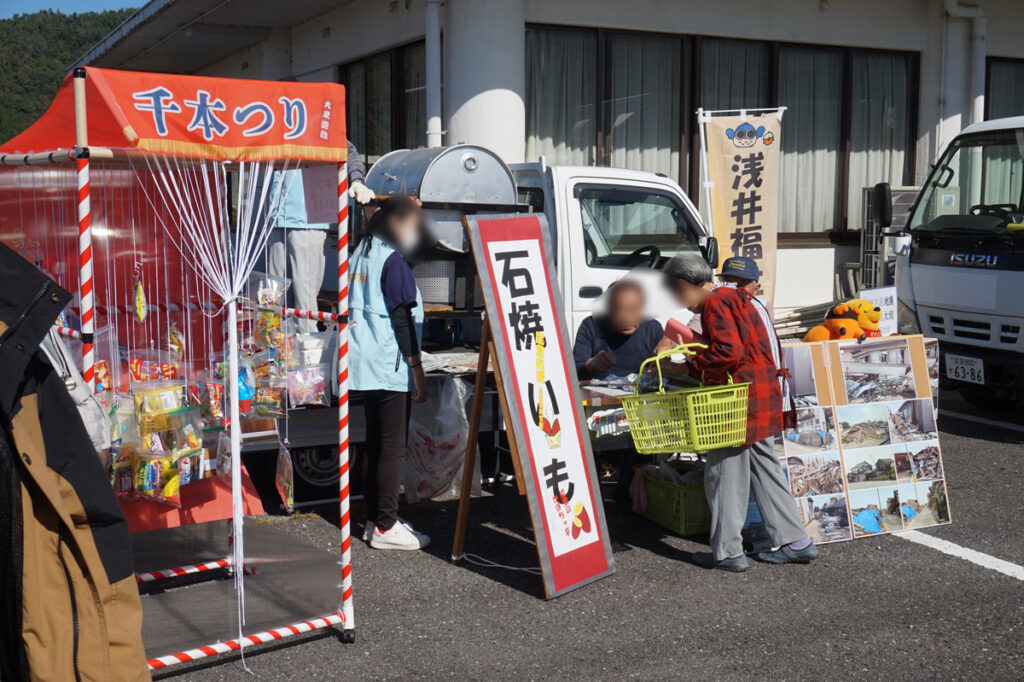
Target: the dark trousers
pixel 387 420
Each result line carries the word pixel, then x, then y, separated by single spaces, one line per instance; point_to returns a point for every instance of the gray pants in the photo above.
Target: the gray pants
pixel 730 475
pixel 304 256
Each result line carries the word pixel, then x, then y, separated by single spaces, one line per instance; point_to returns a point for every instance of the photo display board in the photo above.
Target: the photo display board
pixel 864 457
pixel 532 354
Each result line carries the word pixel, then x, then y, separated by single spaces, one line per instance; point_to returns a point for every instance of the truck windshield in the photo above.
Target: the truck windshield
pixel 977 186
pixel 626 227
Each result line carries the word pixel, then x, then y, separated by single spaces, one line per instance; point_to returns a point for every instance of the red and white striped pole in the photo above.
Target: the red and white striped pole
pixel 343 475
pixel 85 283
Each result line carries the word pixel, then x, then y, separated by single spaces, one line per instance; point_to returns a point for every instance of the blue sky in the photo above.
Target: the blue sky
pixel 9 8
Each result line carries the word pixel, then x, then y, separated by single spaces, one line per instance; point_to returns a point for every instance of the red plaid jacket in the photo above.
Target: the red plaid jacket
pixel 739 345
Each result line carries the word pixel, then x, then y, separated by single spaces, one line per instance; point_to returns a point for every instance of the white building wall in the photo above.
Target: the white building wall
pixel 484 64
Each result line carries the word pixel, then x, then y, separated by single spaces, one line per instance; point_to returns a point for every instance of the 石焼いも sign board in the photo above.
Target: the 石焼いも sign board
pixel 530 339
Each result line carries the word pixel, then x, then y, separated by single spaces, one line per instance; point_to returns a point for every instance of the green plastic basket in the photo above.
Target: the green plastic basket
pixel 682 509
pixel 688 420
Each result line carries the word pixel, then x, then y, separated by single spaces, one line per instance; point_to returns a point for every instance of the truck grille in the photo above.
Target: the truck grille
pixel 945 326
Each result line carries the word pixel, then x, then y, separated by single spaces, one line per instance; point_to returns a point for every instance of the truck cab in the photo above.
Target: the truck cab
pixel 609 222
pixel 960 262
pixel 604 223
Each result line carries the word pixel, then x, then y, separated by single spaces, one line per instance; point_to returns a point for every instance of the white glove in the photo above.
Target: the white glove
pixel 361 193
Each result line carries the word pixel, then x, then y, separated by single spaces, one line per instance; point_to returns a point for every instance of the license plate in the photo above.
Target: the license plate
pixel 963 368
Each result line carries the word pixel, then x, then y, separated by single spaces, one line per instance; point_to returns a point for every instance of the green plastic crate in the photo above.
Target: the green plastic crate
pixel 682 509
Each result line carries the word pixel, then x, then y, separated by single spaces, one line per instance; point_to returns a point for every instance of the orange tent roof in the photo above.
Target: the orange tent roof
pixel 216 118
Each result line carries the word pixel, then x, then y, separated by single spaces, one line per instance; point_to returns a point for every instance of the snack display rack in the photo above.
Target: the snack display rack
pixel 102 142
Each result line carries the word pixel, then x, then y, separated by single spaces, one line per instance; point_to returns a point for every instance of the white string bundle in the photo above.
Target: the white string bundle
pixel 195 196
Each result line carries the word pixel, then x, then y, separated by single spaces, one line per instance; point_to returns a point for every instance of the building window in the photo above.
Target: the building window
pixel 880 125
pixel 811 87
pixel 735 74
pixel 1004 94
pixel 386 100
pixel 850 121
pixel 561 96
pixel 641 108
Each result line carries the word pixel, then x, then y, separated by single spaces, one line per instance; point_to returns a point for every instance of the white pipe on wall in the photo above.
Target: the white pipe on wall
pixel 432 29
pixel 979 31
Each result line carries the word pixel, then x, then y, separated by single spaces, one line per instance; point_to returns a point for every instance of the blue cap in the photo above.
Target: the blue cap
pixel 744 268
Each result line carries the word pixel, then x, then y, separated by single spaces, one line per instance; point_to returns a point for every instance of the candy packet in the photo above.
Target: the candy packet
pixel 269 331
pixel 154 401
pixel 269 399
pixel 309 386
pixel 156 478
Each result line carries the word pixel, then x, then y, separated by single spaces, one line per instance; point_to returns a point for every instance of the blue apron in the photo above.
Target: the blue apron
pixel 375 361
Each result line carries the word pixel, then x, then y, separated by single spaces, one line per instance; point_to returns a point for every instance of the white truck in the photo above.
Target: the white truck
pixel 960 261
pixel 604 222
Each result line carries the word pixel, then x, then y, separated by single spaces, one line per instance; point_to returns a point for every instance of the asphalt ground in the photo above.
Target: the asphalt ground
pixel 867 609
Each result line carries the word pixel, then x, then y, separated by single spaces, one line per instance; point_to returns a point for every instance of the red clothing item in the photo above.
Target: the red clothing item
pixel 740 346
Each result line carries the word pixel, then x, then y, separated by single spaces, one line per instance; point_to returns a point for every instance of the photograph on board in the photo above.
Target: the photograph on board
pixel 877 370
pixel 825 518
pixel 912 420
pixel 815 431
pixel 815 474
pixel 925 459
pixel 904 467
pixel 863 426
pixel 869 467
pixel 931 355
pixel 924 504
pixel 868 516
pixel 889 506
pixel 798 360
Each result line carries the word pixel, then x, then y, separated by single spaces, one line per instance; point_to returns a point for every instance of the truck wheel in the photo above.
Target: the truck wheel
pixel 317 467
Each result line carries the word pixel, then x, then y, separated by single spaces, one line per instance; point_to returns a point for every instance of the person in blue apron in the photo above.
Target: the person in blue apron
pixel 385 371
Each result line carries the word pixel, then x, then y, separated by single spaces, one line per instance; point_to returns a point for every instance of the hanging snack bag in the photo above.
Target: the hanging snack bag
pixel 139 307
pixel 211 401
pixel 155 401
pixel 310 348
pixel 224 454
pixel 123 478
pixel 309 386
pixel 269 399
pixel 284 478
pixel 269 331
pixel 189 468
pixel 152 365
pixel 156 478
pixel 175 341
pixel 267 290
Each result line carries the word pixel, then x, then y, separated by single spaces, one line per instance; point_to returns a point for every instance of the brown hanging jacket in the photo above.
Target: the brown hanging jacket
pixel 69 605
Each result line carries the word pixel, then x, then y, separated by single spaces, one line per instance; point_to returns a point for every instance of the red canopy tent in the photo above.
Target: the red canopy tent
pixel 114 116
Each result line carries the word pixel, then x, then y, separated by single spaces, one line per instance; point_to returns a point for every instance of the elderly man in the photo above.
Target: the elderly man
pixel 740 346
pixel 617 343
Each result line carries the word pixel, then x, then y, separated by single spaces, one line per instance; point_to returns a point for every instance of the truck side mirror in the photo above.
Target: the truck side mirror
pixel 710 250
pixel 881 205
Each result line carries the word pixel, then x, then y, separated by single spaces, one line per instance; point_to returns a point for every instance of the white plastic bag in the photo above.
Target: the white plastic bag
pixel 436 449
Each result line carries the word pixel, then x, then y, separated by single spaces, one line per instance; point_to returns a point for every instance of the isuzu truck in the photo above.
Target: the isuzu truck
pixel 960 261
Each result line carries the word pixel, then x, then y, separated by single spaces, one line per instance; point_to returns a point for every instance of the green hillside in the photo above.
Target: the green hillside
pixel 37 51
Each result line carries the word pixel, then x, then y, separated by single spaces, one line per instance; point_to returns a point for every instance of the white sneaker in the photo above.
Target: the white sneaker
pixel 399 536
pixel 368 527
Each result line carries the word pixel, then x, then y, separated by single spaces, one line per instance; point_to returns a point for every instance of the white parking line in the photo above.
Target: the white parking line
pixel 946 547
pixel 982 420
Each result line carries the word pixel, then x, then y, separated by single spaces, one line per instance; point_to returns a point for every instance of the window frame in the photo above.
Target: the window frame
pixel 399 124
pixel 691 55
pixel 989 61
